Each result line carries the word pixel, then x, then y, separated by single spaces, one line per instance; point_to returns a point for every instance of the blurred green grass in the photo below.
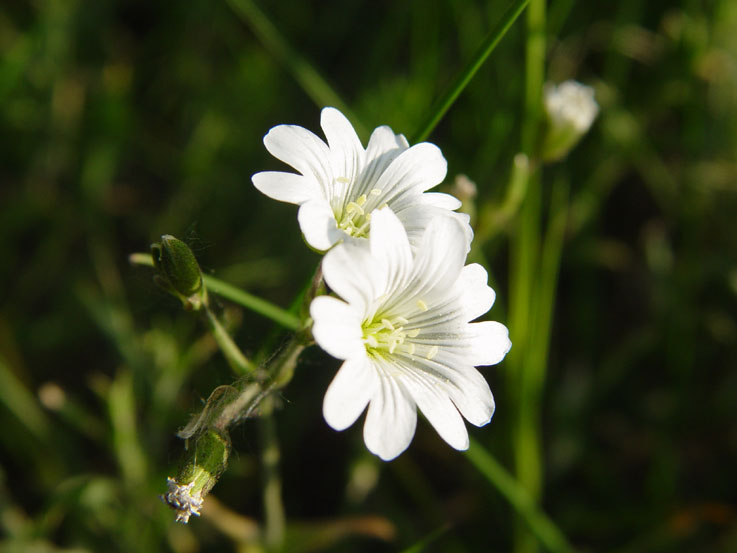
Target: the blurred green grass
pixel 126 120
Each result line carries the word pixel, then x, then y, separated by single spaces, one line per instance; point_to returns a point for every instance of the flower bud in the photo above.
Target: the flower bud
pixel 465 190
pixel 178 271
pixel 199 473
pixel 570 109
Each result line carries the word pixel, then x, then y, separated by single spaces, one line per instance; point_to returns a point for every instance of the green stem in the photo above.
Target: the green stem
pixel 236 295
pixel 552 250
pixel 493 217
pixel 237 361
pixel 527 383
pixel 539 524
pixel 254 303
pixel 274 514
pixel 464 77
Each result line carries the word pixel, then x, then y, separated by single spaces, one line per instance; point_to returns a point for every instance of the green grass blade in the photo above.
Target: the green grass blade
pixel 427 540
pixel 540 525
pixel 22 403
pixel 125 439
pixel 465 76
pixel 314 85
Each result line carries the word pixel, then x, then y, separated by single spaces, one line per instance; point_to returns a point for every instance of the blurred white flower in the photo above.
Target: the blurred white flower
pixel 340 183
pixel 571 109
pixel 403 328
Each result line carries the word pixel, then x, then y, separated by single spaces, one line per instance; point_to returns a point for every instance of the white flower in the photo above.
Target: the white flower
pixel 403 328
pixel 340 183
pixel 571 109
pixel 571 103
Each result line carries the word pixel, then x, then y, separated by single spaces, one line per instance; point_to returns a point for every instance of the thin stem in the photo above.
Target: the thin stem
pixel 552 250
pixel 237 361
pixel 279 371
pixel 538 522
pixel 493 217
pixel 464 77
pixel 274 514
pixel 236 295
pixel 525 263
pixel 254 303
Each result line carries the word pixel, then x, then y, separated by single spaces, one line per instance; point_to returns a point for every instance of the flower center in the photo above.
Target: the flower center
pixel 387 335
pixel 356 217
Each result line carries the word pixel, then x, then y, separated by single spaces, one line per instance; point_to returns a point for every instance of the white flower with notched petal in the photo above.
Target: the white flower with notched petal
pixel 340 184
pixel 403 328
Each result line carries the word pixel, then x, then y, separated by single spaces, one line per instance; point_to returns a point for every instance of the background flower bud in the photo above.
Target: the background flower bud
pixel 570 108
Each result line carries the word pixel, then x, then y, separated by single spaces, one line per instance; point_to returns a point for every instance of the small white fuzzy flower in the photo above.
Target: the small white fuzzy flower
pixel 403 328
pixel 570 109
pixel 340 183
pixel 571 104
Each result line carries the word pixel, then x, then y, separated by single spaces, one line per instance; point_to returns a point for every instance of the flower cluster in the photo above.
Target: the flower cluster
pixel 401 303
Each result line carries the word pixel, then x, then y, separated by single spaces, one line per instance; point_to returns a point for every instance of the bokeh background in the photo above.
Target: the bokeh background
pixel 124 120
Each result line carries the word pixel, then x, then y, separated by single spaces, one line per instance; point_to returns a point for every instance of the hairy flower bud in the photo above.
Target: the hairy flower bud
pixel 570 109
pixel 199 473
pixel 178 271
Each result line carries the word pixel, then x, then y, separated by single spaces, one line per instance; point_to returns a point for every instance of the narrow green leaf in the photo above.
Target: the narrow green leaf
pixel 22 404
pixel 464 77
pixel 314 85
pixel 422 544
pixel 125 439
pixel 541 526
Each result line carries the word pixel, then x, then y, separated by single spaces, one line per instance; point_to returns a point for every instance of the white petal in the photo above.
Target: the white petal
pixel 475 296
pixel 317 222
pixel 384 146
pixel 467 299
pixel 390 247
pixel 475 404
pixel 439 259
pixel 391 420
pixel 490 342
pixel 431 397
pixel 438 199
pixel 465 386
pixel 416 216
pixel 345 147
pixel 302 150
pixel 349 393
pixel 337 327
pixel 286 187
pixel 384 140
pixel 353 274
pixel 419 168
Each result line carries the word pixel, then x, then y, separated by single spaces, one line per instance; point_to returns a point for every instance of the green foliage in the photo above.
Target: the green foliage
pixel 123 121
